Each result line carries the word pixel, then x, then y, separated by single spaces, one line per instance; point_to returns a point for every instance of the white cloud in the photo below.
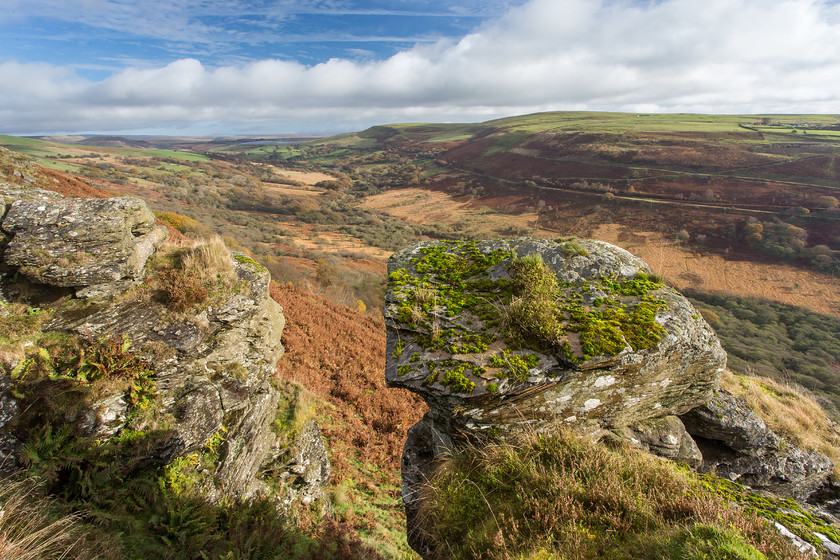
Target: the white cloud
pixel 669 55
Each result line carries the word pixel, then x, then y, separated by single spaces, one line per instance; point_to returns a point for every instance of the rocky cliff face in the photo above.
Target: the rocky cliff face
pixel 503 336
pixel 205 337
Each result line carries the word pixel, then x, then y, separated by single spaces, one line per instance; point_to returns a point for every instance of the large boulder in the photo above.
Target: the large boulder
pixel 502 335
pixel 526 334
pixel 98 246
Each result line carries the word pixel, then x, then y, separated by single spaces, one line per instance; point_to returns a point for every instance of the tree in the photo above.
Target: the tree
pixel 826 202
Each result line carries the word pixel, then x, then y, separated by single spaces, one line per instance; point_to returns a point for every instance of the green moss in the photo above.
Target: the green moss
pixel 185 473
pixel 469 344
pixel 547 313
pixel 515 367
pixel 784 510
pixel 398 349
pixel 532 309
pixel 455 375
pixel 457 381
pixel 242 258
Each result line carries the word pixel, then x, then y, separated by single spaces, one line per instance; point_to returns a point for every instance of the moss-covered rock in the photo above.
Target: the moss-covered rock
pixel 501 337
pixel 502 334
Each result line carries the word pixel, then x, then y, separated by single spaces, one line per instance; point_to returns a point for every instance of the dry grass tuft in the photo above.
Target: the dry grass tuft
pixel 789 411
pixel 192 274
pixel 29 532
pixel 208 261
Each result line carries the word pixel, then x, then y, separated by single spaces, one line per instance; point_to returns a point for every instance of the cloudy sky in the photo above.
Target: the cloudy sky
pixel 300 66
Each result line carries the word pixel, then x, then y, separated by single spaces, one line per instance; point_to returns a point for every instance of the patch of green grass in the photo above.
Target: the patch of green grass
pixel 60 165
pixel 28 146
pixel 174 154
pixel 557 496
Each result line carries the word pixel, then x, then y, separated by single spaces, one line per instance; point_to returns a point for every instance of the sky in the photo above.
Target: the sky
pixel 215 67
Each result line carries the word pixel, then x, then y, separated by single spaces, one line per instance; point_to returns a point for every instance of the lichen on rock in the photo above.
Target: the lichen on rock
pixel 497 335
pixel 98 246
pixel 196 328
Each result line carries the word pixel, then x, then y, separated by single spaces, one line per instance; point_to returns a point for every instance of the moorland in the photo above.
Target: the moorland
pixel 735 205
pixel 740 212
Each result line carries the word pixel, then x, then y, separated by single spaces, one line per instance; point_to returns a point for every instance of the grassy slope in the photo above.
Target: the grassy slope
pixel 552 497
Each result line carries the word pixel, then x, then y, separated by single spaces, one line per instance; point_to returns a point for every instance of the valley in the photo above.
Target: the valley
pixel 744 217
pixel 726 205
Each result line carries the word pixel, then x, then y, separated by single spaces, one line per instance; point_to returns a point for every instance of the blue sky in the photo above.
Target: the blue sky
pixel 98 37
pixel 282 66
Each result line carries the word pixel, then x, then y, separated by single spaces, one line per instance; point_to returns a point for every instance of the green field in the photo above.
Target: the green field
pixel 804 132
pixel 30 146
pixel 174 154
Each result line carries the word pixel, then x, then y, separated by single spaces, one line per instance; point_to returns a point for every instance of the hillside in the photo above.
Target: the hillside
pixel 320 228
pixel 723 205
pixel 708 175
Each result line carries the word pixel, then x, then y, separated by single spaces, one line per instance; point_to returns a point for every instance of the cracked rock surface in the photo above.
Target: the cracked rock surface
pixel 97 245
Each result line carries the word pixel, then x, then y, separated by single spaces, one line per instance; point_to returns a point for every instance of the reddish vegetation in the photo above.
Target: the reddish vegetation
pixel 818 166
pixel 339 355
pixel 68 186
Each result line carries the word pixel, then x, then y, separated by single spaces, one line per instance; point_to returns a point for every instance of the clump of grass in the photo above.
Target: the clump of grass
pixel 195 274
pixel 18 324
pixel 558 496
pixel 182 291
pixel 533 314
pixel 574 249
pixel 789 411
pixel 209 261
pixel 30 529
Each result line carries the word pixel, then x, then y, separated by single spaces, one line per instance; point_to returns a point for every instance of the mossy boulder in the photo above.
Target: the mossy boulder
pixel 500 335
pixel 507 336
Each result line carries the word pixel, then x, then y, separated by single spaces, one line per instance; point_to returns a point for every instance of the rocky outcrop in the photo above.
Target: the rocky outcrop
pixel 213 404
pixel 98 246
pixel 621 348
pixel 737 444
pixel 503 336
pixel 215 379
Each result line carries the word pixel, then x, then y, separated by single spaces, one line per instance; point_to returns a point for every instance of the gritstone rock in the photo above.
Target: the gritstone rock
pixel 98 246
pixel 607 347
pixel 525 334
